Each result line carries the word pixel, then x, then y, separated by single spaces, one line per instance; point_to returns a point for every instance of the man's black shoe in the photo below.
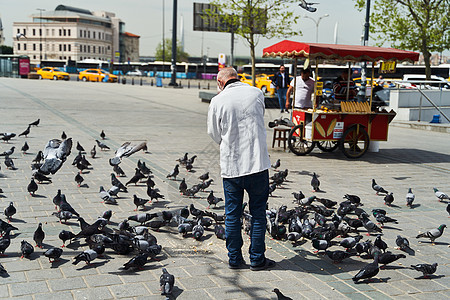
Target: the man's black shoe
pixel 268 263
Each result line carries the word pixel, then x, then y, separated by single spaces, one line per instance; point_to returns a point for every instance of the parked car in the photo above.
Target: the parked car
pixel 264 83
pixel 135 73
pixel 420 80
pixel 96 75
pixel 52 73
pixel 245 78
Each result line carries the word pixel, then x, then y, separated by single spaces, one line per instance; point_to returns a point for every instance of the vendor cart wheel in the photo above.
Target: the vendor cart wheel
pixel 327 146
pixel 297 144
pixel 354 142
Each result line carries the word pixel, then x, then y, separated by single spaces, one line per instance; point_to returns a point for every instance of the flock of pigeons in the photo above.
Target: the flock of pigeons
pixel 318 219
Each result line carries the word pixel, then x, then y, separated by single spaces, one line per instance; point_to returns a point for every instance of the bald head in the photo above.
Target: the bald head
pixel 227 73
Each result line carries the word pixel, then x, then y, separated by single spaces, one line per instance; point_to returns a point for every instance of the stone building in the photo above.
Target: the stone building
pixel 131 46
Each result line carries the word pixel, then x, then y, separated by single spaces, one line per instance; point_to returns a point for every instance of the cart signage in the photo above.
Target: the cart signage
pixel 388 67
pixel 319 88
pixel 338 130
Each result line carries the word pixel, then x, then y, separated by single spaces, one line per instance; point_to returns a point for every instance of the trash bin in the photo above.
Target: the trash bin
pixel 159 82
pixel 436 119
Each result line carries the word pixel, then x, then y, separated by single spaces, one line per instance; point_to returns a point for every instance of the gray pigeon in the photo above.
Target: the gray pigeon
pixel 277 164
pixel 10 211
pixel 426 269
pixel 166 282
pixel 9 163
pixel 53 253
pixel 388 199
pixel 86 256
pixel 433 233
pixel 26 249
pixel 410 198
pixel 441 196
pixel 102 146
pixel 315 183
pixel 3 271
pixel 377 188
pixel 39 236
pixel 402 243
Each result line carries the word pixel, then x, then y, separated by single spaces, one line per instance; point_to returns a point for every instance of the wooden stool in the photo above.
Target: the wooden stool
pixel 280 135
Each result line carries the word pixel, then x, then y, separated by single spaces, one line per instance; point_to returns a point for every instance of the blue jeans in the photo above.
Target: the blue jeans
pixel 281 93
pixel 257 187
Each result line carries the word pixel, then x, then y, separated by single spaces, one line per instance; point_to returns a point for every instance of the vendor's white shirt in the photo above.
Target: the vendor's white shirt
pixel 303 92
pixel 236 122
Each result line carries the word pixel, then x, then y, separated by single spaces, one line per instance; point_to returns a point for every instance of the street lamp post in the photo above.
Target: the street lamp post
pixel 317 24
pixel 40 35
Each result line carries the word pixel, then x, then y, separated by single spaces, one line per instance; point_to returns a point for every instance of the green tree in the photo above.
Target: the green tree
pixel 181 55
pixel 6 49
pixel 417 25
pixel 252 19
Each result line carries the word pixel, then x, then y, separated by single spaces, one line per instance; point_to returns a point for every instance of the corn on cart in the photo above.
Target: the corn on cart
pixel 348 125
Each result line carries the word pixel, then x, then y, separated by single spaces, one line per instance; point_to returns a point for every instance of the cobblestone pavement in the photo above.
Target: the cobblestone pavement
pixel 173 121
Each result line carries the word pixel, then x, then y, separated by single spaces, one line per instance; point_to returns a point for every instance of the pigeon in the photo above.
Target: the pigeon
pixel 39 236
pixel 166 282
pixel 114 190
pixel 102 146
pixel 10 211
pixel 338 256
pixel 380 243
pixel 426 269
pixel 65 235
pixel 102 135
pixel 326 202
pixel 25 148
pixel 144 169
pixel 321 244
pixel 55 154
pixel 196 212
pixel 280 295
pixel 388 199
pixel 39 177
pixel 87 256
pixel 354 199
pixel 137 262
pixel 389 257
pixel 65 206
pixel 139 202
pixel 174 173
pixel 204 177
pixel 433 233
pixel 93 152
pixel 5 226
pixel 298 196
pixel 8 152
pixel 293 236
pixel 440 195
pixel 26 132
pixel 402 243
pixel 198 231
pixel 79 147
pixel 5 241
pixel 9 163
pixel 277 164
pixel 377 188
pixel 369 271
pixel 142 218
pixel 92 229
pixel 116 182
pixel 189 166
pixel 39 157
pixel 315 183
pixel 53 253
pixel 7 136
pixel 135 179
pixel 63 135
pixel 183 159
pixel 350 242
pixel 448 208
pixel 63 215
pixel 272 188
pixel 3 271
pixel 106 197
pixel 118 170
pixel 370 226
pixel 410 198
pixel 219 231
pixel 381 218
pixel 154 194
pixel 127 149
pixel 191 160
pixel 79 179
pixel 35 123
pixel 213 199
pixel 107 214
pixel 26 249
pixel 306 5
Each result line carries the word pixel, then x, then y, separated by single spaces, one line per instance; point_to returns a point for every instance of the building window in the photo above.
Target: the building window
pixel 34 56
pixel 46 32
pixel 93 35
pixel 34 31
pixel 18 30
pixel 24 32
pixel 18 46
pixel 40 32
pixel 53 47
pixel 64 47
pixel 25 47
pixel 60 47
pixel 93 49
pixel 60 32
pixel 81 48
pixel 69 47
pixel 60 58
pixel 34 47
pixel 68 32
pixel 53 32
pixel 81 33
pixel 89 49
pixel 64 32
pixel 70 58
pixel 89 34
pixel 84 48
pixel 40 47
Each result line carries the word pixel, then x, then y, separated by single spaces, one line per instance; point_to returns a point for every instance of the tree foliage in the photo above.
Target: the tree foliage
pixel 417 25
pixel 252 19
pixel 181 55
pixel 6 49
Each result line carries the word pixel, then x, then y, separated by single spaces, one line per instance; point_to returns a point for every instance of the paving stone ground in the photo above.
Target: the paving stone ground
pixel 173 121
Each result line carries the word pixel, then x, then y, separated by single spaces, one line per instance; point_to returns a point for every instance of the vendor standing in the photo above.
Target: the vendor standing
pixel 340 86
pixel 304 88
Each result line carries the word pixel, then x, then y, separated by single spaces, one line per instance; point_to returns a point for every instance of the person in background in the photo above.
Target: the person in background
pixel 281 82
pixel 340 87
pixel 236 123
pixel 304 88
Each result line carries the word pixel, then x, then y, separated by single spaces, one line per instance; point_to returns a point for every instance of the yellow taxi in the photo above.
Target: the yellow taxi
pixel 245 78
pixel 52 73
pixel 96 75
pixel 264 83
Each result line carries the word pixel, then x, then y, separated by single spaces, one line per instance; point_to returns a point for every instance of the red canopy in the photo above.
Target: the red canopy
pixel 338 52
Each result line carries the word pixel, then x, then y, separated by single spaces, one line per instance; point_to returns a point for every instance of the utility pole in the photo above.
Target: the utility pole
pixel 40 35
pixel 362 93
pixel 163 41
pixel 174 46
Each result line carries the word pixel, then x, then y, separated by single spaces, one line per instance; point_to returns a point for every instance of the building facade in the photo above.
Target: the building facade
pixel 68 34
pixel 2 37
pixel 131 46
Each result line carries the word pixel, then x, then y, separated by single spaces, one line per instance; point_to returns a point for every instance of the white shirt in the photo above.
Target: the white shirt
pixel 303 92
pixel 236 123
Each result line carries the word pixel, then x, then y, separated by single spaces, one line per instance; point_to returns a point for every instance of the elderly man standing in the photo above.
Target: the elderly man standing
pixel 236 123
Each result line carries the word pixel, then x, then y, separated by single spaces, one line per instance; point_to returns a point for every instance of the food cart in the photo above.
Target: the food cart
pixel 349 125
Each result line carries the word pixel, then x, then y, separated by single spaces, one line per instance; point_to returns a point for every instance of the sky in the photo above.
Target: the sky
pixel 145 18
